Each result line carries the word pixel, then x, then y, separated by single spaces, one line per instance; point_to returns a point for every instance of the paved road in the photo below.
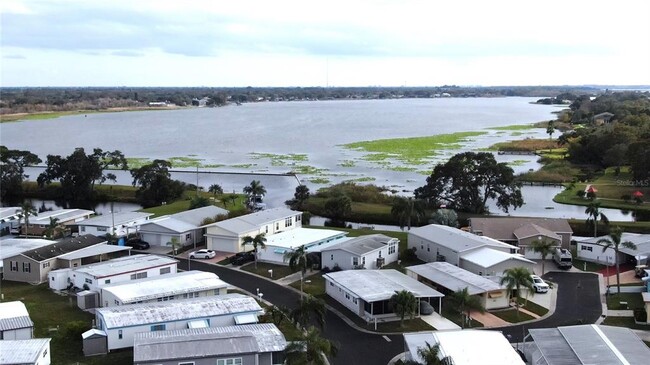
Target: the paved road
pixel 355 347
pixel 578 301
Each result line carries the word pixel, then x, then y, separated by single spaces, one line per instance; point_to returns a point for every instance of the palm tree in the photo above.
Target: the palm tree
pixel 516 278
pixel 431 355
pixel 300 259
pixel 404 303
pixel 52 228
pixel 175 244
pixel 215 189
pixel 615 243
pixel 550 129
pixel 464 303
pixel 255 188
pixel 406 209
pixel 593 211
pixel 310 349
pixel 259 241
pixel 301 195
pixel 544 247
pixel 277 314
pixel 307 309
pixel 26 210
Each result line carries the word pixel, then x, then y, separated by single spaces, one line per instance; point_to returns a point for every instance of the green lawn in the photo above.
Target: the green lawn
pixel 313 285
pixel 279 271
pixel 587 265
pixel 451 314
pixel 627 322
pixel 533 307
pixel 51 311
pixel 410 325
pixel 510 315
pixel 634 301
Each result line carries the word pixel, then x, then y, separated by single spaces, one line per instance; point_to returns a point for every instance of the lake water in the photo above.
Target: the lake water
pixel 227 139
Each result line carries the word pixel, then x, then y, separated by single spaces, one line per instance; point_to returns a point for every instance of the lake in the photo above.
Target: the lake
pixel 257 138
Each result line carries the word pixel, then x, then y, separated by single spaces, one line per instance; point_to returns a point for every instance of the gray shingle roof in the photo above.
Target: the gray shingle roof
pixel 64 246
pixel 504 228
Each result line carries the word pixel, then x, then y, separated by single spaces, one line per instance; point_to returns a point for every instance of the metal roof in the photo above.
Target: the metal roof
pixel 504 228
pixel 163 312
pixel 125 264
pixel 63 215
pixel 63 246
pixel 165 285
pixel 487 257
pixel 375 285
pixel 196 216
pixel 22 351
pixel 9 213
pixel 93 251
pixel 454 278
pixel 167 222
pixel 590 344
pixel 106 220
pixel 15 246
pixel 455 239
pixel 642 242
pixel 363 244
pixel 297 237
pixel 532 230
pixel 14 315
pixel 211 341
pixel 253 221
pixel 486 347
pixel 93 332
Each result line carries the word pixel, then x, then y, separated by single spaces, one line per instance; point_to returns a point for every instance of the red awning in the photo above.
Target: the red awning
pixel 637 194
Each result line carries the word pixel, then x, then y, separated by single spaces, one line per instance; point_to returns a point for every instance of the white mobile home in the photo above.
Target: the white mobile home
pixel 33 352
pixel 15 246
pixel 589 249
pixel 38 224
pixel 486 261
pixel 120 324
pixel 15 323
pixel 442 243
pixel 313 240
pixel 95 276
pixel 367 252
pixel 119 224
pixel 182 285
pixel 184 226
pixel 367 292
pixel 226 236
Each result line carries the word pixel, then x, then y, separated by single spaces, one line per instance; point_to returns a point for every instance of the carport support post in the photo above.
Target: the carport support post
pixel 440 305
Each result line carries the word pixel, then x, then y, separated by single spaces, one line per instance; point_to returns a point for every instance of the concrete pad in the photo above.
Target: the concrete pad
pixel 543 299
pixel 439 322
pixel 627 277
pixel 488 319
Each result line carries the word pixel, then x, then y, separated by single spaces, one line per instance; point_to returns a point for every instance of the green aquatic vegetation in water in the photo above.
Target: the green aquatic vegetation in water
pixel 362 179
pixel 319 180
pixel 185 161
pixel 137 162
pixel 347 163
pixel 279 159
pixel 402 168
pixel 306 170
pixel 517 162
pixel 243 165
pixel 516 127
pixel 214 165
pixel 414 150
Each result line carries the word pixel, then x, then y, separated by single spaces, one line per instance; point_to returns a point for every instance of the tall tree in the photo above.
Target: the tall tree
pixel 594 213
pixel 310 349
pixel 464 303
pixel 155 184
pixel 26 210
pixel 614 242
pixel 468 180
pixel 255 188
pixel 550 129
pixel 12 171
pixel 79 172
pixel 338 207
pixel 515 279
pixel 431 355
pixel 308 309
pixel 407 210
pixel 300 259
pixel 543 247
pixel 215 189
pixel 404 304
pixel 445 217
pixel 259 241
pixel 53 229
pixel 300 196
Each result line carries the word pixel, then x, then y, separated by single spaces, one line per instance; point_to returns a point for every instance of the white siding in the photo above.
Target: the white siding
pixel 427 250
pixel 224 244
pixel 110 300
pixel 495 303
pixel 594 252
pixel 339 294
pixel 18 334
pixel 494 269
pixel 80 278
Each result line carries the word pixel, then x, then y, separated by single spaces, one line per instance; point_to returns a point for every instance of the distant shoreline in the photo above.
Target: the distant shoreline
pixel 19 117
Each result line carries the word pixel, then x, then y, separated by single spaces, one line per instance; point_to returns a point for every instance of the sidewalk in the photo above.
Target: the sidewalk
pixel 285 281
pixel 439 322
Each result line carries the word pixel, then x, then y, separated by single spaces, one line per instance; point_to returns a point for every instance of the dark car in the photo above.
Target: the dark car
pixel 241 258
pixel 138 244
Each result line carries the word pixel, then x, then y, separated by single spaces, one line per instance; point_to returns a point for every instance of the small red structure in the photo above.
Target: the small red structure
pixel 592 189
pixel 637 194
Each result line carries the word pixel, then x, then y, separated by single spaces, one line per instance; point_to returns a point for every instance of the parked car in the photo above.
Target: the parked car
pixel 203 254
pixel 243 258
pixel 425 308
pixel 138 244
pixel 539 285
pixel 640 271
pixel 240 254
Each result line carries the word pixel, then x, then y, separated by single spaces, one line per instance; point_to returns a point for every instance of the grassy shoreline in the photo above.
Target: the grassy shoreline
pixel 19 117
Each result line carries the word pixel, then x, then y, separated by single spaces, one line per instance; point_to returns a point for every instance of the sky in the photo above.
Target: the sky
pixel 225 43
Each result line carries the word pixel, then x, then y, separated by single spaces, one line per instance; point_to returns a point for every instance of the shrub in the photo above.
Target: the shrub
pixel 640 315
pixel 626 197
pixel 580 193
pixel 336 268
pixel 72 331
pixel 408 254
pixel 325 269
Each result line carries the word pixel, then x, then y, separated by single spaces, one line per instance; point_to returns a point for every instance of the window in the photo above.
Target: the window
pixel 586 248
pixel 277 226
pixel 165 270
pixel 428 248
pixel 288 222
pixel 107 281
pixel 14 265
pixel 331 283
pixel 46 264
pixel 363 260
pixel 186 363
pixel 216 292
pixel 82 229
pixel 298 218
pixel 27 267
pixel 379 253
pixel 88 281
pixel 234 361
pixel 391 248
pixel 355 261
pixel 102 229
pixel 117 302
pixel 133 277
pixel 188 237
pixel 157 327
pixel 266 229
pixel 332 257
pixel 119 334
pixel 45 352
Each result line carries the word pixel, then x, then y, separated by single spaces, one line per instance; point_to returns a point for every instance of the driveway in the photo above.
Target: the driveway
pixel 355 347
pixel 578 302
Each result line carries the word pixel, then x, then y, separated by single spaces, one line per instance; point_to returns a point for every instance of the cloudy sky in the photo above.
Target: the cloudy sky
pixel 319 43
